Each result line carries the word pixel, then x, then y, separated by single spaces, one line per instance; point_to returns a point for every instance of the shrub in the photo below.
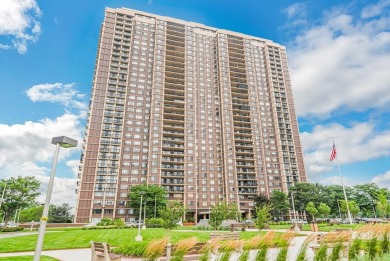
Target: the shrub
pixel 133 249
pixel 105 222
pixel 102 227
pixel 11 229
pixel 119 223
pixel 191 219
pixel 154 222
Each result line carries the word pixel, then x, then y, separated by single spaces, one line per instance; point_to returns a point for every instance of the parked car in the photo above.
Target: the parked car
pixel 298 220
pixel 92 224
pixel 130 224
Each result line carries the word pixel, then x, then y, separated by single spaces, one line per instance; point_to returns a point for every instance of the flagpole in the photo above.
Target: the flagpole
pixel 342 184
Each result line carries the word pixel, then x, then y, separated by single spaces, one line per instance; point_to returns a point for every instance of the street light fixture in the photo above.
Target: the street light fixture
pixel 138 237
pixel 2 195
pixel 64 142
pixel 296 228
pixel 144 223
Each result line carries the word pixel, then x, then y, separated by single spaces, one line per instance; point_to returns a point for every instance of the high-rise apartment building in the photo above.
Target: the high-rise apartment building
pixel 205 113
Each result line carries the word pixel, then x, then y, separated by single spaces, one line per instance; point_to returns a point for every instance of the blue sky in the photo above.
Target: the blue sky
pixel 339 57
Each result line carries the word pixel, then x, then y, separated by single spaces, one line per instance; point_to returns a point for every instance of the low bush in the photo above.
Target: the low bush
pixel 154 222
pixel 11 229
pixel 119 223
pixel 105 222
pixel 133 249
pixel 103 227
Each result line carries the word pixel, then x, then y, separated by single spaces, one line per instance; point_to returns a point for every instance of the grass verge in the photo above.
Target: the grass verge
pixel 27 258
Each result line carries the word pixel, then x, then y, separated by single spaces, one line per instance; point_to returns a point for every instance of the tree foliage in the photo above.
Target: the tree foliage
pixel 60 214
pixel 263 216
pixel 279 202
pixel 312 210
pixel 154 198
pixel 261 200
pixel 222 211
pixel 324 210
pixel 20 192
pixel 382 202
pixel 353 207
pixel 57 214
pixel 172 214
pixel 365 196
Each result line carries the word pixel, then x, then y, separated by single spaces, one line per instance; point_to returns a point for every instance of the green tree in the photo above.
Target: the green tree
pixel 261 200
pixel 60 214
pixel 263 216
pixel 222 211
pixel 312 210
pixel 31 213
pixel 306 192
pixel 365 197
pixel 353 207
pixel 233 212
pixel 20 193
pixel 382 202
pixel 279 202
pixel 171 214
pixel 324 210
pixel 218 214
pixel 154 198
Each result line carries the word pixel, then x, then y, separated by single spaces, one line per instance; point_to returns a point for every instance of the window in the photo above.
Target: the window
pixel 96 211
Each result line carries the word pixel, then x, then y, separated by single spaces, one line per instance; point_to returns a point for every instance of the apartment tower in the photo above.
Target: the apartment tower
pixel 205 113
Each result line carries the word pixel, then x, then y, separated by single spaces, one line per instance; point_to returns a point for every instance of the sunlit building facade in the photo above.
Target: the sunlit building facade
pixel 205 113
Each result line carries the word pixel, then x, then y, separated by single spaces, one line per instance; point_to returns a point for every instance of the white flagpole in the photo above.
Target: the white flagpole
pixel 342 184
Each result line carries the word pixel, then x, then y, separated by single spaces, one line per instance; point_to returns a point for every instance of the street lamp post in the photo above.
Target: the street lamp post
pixel 16 215
pixel 2 195
pixel 64 142
pixel 155 206
pixel 338 205
pixel 144 223
pixel 373 208
pixel 139 237
pixel 296 228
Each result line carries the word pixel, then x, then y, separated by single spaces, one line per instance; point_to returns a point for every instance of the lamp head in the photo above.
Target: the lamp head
pixel 64 142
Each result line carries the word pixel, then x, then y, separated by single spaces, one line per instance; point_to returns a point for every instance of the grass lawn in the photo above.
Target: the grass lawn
pixel 27 258
pixel 321 227
pixel 78 238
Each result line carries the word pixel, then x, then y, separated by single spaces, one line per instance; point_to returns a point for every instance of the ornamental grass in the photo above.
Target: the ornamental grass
pixel 155 249
pixel 182 248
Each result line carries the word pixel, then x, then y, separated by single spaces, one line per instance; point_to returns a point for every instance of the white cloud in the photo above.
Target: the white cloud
pixel 4 47
pixel 31 141
pixel 358 143
pixel 26 150
pixel 341 63
pixel 336 180
pixel 74 165
pixel 19 21
pixel 382 180
pixel 295 10
pixel 65 94
pixel 63 190
pixel 375 9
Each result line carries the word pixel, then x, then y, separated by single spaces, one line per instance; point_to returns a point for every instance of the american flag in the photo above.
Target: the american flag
pixel 333 154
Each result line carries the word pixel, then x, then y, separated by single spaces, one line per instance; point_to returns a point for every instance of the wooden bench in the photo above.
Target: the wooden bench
pixel 225 236
pixel 234 226
pixel 101 251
